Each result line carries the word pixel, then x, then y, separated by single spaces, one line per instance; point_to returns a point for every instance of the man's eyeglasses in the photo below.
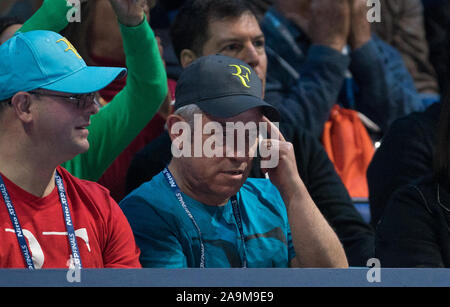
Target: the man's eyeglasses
pixel 81 101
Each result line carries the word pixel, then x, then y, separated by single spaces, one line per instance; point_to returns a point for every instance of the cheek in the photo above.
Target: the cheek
pixel 262 67
pixel 207 170
pixel 203 169
pixel 209 166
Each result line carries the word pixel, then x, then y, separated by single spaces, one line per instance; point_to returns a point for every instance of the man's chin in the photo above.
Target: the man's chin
pixel 230 189
pixel 82 147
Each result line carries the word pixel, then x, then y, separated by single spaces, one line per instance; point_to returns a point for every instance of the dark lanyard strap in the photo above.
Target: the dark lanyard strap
pixel 237 216
pixel 68 220
pixel 174 186
pixel 19 232
pixel 179 196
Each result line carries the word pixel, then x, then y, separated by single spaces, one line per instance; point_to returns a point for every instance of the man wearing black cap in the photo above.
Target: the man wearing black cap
pixel 204 211
pixel 230 28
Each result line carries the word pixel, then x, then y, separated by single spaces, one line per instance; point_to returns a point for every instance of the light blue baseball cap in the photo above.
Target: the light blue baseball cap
pixel 45 59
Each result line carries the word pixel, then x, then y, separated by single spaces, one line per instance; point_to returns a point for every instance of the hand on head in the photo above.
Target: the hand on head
pixel 329 22
pixel 278 158
pixel 360 27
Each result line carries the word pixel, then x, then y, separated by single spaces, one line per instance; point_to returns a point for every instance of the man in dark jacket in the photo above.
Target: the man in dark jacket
pixel 402 26
pixel 322 52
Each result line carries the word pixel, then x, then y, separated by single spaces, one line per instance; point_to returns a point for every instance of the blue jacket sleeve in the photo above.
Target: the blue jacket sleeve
pixel 308 100
pixel 386 90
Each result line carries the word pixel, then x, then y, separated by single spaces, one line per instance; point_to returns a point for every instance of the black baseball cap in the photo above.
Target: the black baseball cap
pixel 223 87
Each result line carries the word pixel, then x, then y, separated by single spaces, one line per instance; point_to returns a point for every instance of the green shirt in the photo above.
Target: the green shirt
pixel 114 127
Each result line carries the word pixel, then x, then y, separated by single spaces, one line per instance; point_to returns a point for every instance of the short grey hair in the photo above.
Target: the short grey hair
pixel 188 112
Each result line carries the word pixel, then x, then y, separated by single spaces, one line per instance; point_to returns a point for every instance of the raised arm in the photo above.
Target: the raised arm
pixel 386 90
pixel 51 16
pixel 120 121
pixel 315 243
pixel 304 83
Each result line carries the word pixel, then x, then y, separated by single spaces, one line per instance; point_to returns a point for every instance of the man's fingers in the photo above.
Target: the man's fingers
pixel 270 144
pixel 269 154
pixel 272 130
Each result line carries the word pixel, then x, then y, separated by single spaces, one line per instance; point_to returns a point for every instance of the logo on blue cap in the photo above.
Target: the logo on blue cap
pixel 243 78
pixel 70 47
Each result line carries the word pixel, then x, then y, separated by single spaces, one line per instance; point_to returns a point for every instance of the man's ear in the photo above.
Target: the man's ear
pixel 177 126
pixel 21 103
pixel 187 56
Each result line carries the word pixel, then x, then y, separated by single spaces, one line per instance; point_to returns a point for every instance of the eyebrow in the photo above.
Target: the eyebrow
pixel 234 39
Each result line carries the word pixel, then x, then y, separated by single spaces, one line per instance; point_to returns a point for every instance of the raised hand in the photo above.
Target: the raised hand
pixel 360 27
pixel 282 169
pixel 329 23
pixel 130 12
pixel 314 240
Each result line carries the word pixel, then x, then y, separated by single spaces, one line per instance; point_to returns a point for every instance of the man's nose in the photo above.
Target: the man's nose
pixel 93 108
pixel 240 151
pixel 251 56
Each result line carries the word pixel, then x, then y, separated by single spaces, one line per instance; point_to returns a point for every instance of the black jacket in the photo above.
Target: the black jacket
pixel 316 171
pixel 415 228
pixel 406 153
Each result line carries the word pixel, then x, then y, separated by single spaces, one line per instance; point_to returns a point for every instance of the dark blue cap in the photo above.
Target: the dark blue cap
pixel 223 87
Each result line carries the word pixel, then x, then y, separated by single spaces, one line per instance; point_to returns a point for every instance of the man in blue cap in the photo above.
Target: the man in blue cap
pixel 48 218
pixel 203 210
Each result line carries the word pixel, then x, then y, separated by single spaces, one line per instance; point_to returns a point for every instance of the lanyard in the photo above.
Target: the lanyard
pixel 237 217
pixel 236 214
pixel 67 219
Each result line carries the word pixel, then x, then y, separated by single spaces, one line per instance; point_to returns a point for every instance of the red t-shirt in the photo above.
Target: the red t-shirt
pixel 103 234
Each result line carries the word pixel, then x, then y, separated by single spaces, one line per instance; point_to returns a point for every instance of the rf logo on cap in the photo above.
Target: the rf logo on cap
pixel 244 78
pixel 69 46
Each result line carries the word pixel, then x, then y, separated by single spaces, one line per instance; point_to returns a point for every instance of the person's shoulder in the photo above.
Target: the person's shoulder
pixel 390 55
pixel 428 118
pixel 154 192
pixel 153 202
pixel 88 194
pixel 82 185
pixel 382 45
pixel 420 122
